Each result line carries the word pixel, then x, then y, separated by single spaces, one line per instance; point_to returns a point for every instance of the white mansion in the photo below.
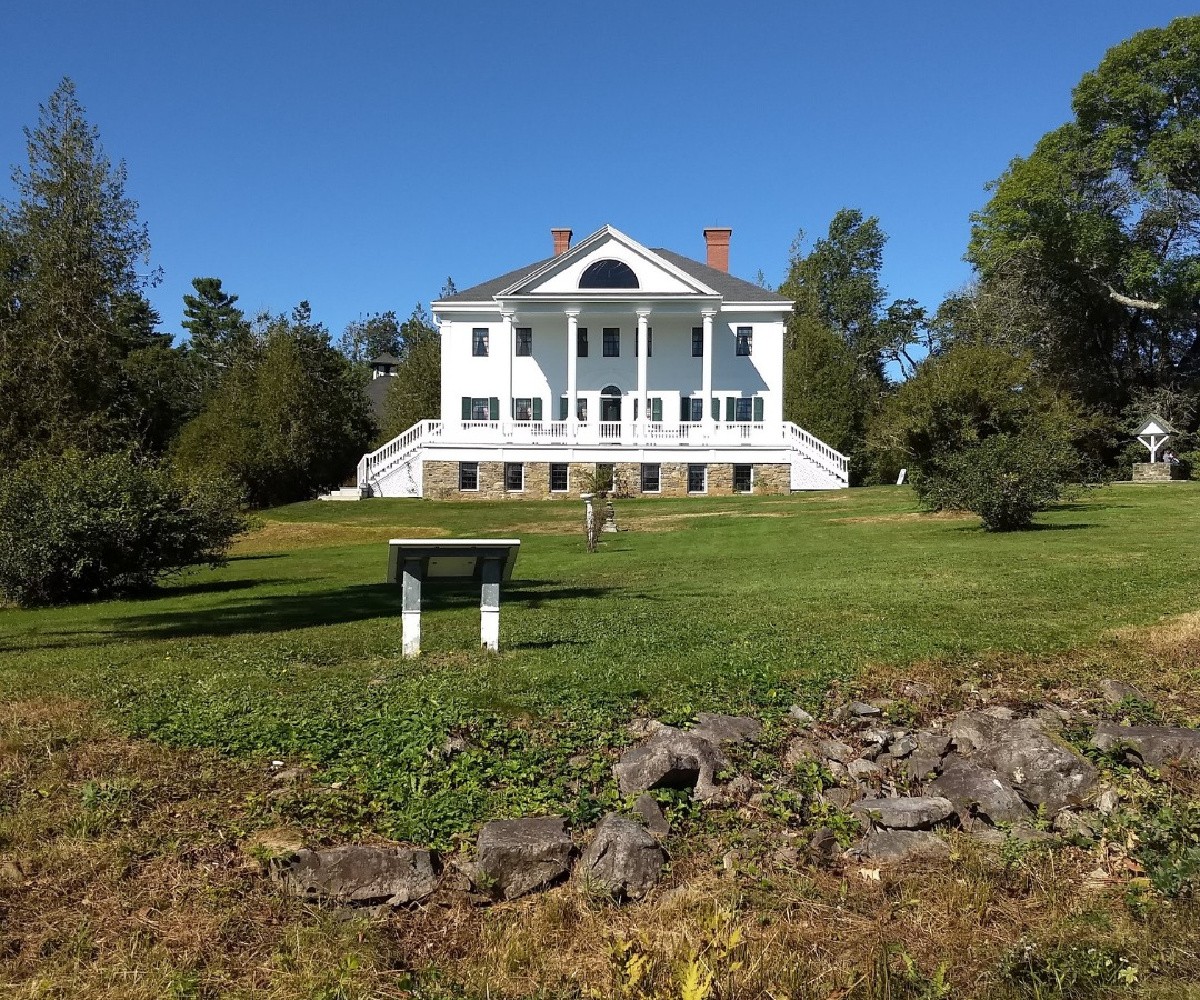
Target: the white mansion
pixel 666 370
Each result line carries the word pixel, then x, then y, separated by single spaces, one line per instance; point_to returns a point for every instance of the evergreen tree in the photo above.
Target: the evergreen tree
pixel 368 338
pixel 72 267
pixel 216 326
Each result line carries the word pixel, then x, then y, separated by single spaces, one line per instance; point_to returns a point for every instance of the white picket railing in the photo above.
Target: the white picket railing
pixel 561 432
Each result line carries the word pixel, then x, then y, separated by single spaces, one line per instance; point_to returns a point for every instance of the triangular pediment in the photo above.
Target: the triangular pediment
pixel 1154 424
pixel 561 277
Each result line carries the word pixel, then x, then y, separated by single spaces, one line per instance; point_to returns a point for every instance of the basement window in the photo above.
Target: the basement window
pixel 651 477
pixel 697 478
pixel 743 478
pixel 558 477
pixel 468 476
pixel 514 477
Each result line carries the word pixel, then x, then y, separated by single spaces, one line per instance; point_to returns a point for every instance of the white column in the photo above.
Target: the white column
pixel 706 368
pixel 643 323
pixel 572 370
pixel 506 349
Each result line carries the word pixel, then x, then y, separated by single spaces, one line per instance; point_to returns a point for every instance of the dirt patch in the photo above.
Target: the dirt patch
pixel 668 522
pixel 278 536
pixel 937 515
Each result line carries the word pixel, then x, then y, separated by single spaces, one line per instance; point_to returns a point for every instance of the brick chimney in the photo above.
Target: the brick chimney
pixel 718 248
pixel 562 240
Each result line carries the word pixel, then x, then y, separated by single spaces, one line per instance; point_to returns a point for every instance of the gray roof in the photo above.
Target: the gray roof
pixel 386 359
pixel 726 285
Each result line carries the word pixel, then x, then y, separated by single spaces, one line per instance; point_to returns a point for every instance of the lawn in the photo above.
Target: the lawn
pixel 746 604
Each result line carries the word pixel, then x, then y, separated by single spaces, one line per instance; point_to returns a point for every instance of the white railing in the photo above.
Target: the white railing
pixel 612 433
pixel 397 450
pixel 817 451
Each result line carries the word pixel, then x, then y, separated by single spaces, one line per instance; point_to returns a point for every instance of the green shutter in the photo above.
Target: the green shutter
pixel 758 409
pixel 656 408
pixel 466 401
pixel 685 410
pixel 494 407
pixel 716 409
pixel 730 409
pixel 537 408
pixel 562 408
pixel 635 403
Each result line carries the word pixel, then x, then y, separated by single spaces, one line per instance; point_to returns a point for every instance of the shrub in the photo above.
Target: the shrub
pixel 74 527
pixel 1005 479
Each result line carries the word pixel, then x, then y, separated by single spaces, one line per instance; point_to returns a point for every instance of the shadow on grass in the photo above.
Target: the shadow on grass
pixel 284 612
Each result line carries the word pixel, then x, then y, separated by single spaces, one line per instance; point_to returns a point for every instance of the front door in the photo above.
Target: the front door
pixel 610 409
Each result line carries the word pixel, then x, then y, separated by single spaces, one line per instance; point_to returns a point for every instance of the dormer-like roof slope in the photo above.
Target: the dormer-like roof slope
pixel 730 289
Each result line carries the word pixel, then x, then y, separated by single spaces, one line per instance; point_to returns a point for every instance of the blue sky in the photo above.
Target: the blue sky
pixel 356 154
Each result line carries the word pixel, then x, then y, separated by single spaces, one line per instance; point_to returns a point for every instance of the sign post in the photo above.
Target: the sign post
pixel 413 560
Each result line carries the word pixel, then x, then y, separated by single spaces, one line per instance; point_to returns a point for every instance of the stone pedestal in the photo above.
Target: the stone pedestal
pixel 1155 472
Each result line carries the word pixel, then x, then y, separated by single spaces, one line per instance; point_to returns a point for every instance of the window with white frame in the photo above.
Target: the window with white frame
pixel 651 474
pixel 744 409
pixel 697 341
pixel 480 410
pixel 479 342
pixel 697 408
pixel 524 342
pixel 468 476
pixel 514 477
pixel 612 342
pixel 697 478
pixel 559 479
pixel 744 334
pixel 522 409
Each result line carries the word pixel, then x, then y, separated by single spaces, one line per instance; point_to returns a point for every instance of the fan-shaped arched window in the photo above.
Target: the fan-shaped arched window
pixel 608 274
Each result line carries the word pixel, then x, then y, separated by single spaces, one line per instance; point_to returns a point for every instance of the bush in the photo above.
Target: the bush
pixel 75 527
pixel 1005 479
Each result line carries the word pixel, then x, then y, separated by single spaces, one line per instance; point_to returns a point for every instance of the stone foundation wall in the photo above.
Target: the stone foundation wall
pixel 1155 472
pixel 441 481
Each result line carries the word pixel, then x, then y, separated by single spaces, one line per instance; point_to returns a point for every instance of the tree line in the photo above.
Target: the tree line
pixel 1081 318
pixel 122 449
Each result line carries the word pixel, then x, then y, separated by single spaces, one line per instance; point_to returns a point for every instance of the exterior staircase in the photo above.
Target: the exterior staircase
pixel 394 469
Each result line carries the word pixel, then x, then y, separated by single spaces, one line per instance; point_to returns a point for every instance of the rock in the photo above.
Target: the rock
pixel 917 691
pixel 876 737
pixel 652 815
pixel 622 859
pixel 290 775
pixel 1115 691
pixel 642 728
pixel 836 750
pixel 360 876
pixel 1001 712
pixel 1107 802
pixel 738 790
pixel 902 745
pixel 917 812
pixel 1070 823
pixel 840 797
pixel 905 845
pixel 863 770
pixel 994 837
pixel 933 744
pixel 671 758
pixel 798 751
pixel 727 728
pixel 801 716
pixel 518 856
pixel 1026 757
pixel 1155 745
pixel 978 791
pixel 920 766
pixel 862 710
pixel 786 856
pixel 824 843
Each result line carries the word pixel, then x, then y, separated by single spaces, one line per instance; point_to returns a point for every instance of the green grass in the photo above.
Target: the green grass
pixel 292 650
